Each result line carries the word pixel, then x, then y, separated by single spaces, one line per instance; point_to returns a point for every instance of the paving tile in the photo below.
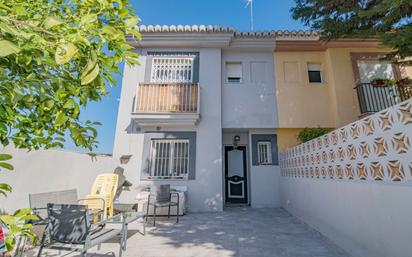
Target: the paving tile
pixel 236 232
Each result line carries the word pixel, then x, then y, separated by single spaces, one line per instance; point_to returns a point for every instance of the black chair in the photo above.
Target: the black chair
pixel 69 228
pixel 160 196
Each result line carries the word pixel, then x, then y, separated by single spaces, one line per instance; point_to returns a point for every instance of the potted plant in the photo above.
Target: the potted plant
pixel 379 82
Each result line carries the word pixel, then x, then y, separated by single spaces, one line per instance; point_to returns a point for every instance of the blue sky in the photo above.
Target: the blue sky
pixel 268 15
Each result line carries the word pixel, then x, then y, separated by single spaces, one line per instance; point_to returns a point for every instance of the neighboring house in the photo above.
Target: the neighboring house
pixel 200 111
pixel 208 107
pixel 329 84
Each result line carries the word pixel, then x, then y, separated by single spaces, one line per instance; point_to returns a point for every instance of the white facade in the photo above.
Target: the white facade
pixel 226 110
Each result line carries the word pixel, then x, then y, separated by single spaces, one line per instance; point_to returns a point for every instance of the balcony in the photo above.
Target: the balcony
pixel 167 104
pixel 377 98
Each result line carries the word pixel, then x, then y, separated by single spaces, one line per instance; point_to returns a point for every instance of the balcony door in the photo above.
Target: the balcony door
pixel 235 175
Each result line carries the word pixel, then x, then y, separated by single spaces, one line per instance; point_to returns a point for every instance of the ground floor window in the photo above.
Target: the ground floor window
pixel 264 152
pixel 169 158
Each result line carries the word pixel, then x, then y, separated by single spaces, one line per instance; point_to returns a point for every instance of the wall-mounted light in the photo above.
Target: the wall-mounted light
pixel 124 159
pixel 236 140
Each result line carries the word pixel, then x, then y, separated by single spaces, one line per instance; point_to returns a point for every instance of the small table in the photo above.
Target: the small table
pixel 125 218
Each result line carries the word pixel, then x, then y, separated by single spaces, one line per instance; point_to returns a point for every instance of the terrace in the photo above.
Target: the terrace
pixel 234 232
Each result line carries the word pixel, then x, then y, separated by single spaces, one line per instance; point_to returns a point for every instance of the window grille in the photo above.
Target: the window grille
pixel 264 153
pixel 169 158
pixel 172 70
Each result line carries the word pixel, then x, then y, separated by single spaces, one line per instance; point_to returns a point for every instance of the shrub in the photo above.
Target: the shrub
pixel 308 134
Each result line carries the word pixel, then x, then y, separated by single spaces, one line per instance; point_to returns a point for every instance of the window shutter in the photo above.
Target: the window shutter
pixel 233 70
pixel 314 67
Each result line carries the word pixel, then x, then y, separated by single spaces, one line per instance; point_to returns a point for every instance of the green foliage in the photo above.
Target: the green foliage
pixel 55 57
pixel 308 134
pixel 388 20
pixel 5 188
pixel 18 226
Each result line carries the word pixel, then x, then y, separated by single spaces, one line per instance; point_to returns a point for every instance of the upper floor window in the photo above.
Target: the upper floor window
pixel 233 72
pixel 169 158
pixel 315 73
pixel 172 70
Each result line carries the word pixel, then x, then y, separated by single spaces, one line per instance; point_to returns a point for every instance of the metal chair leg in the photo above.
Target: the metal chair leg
pixel 43 238
pixel 168 212
pixel 177 209
pixel 147 211
pixel 154 215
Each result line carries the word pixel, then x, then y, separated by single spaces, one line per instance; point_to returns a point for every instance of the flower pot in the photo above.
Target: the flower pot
pixel 378 83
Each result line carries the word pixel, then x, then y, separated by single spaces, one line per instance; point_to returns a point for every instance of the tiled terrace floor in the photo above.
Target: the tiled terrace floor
pixel 234 232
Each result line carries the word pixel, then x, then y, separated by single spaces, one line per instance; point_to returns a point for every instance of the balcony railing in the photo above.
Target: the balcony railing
pixel 167 98
pixel 376 98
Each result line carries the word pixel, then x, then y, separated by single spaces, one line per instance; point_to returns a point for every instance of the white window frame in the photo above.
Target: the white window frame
pixel 241 72
pixel 170 68
pixel 264 153
pixel 163 164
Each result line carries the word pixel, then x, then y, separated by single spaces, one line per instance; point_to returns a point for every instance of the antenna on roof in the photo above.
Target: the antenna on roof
pixel 250 3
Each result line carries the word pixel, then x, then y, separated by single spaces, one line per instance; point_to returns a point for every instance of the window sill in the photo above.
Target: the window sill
pixel 164 179
pixel 233 83
pixel 317 83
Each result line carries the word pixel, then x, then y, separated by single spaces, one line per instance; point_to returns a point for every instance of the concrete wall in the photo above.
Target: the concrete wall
pixel 50 170
pixel 264 180
pixel 251 103
pixel 354 184
pixel 205 192
pixel 367 220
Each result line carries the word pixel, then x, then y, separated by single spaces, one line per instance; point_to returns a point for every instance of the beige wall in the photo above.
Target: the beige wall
pixel 300 103
pixel 287 138
pixel 332 103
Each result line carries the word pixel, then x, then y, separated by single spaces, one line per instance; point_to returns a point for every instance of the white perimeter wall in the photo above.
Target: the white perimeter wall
pixel 205 192
pixel 367 220
pixel 50 170
pixel 354 185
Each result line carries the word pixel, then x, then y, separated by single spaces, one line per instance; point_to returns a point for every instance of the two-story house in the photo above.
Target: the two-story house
pixel 200 111
pixel 329 84
pixel 209 107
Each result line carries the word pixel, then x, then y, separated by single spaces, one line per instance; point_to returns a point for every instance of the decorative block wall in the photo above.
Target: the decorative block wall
pixel 376 148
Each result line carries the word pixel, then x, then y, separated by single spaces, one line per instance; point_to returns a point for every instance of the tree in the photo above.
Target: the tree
pixel 55 57
pixel 388 20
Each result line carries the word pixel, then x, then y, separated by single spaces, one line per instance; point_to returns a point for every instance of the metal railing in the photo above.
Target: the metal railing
pixel 376 98
pixel 164 98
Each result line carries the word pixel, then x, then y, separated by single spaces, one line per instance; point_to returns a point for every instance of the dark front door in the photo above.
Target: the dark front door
pixel 235 174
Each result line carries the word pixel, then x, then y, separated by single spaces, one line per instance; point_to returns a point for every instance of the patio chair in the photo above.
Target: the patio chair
pixel 69 228
pixel 38 203
pixel 102 194
pixel 161 196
